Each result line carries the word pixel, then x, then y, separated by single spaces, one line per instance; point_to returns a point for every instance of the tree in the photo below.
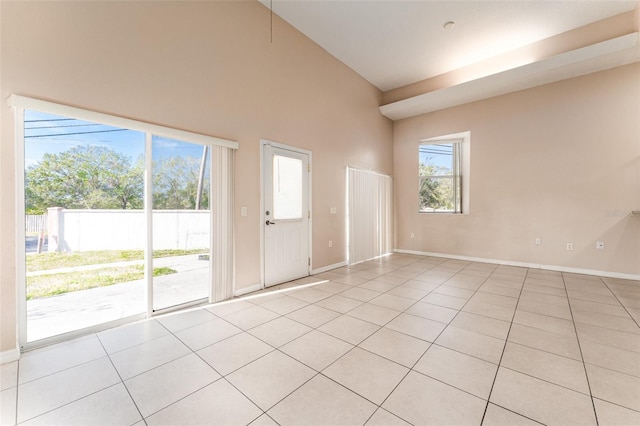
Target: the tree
pixel 85 177
pixel 434 193
pixel 175 184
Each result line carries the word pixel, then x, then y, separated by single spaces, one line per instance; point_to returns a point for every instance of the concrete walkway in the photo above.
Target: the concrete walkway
pixel 50 316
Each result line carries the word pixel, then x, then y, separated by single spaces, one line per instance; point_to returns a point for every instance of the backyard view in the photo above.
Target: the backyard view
pixel 86 227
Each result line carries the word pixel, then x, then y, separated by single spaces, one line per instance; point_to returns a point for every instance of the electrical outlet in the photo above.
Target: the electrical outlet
pixel 569 246
pixel 330 243
pixel 538 241
pixel 600 245
pixel 413 235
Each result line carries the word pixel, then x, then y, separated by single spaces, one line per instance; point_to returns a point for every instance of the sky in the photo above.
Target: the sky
pixel 48 133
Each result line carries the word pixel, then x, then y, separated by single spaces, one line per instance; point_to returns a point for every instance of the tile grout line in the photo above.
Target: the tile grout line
pixel 120 377
pixel 621 304
pixel 432 343
pixel 584 365
pixel 504 348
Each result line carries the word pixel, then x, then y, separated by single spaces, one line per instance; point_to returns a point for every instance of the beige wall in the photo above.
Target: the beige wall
pixel 206 67
pixel 560 162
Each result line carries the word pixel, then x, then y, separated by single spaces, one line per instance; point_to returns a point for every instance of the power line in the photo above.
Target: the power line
pixel 51 119
pixel 61 126
pixel 78 133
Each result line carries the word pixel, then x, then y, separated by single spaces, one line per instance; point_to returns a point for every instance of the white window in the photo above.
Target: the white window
pixel 440 176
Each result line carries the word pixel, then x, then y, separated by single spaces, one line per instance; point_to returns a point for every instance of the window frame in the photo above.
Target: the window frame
pixel 456 177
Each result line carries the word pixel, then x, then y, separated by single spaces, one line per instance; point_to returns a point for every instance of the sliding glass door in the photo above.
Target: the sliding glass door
pixel 84 224
pixel 181 182
pixel 117 224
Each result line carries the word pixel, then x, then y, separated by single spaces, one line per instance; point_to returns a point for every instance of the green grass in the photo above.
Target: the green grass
pixel 45 261
pixel 51 285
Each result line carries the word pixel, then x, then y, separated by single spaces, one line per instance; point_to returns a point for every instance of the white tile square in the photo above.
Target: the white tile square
pixel 361 294
pixel 432 312
pixel 349 329
pixel 398 347
pixel 417 327
pixel 232 306
pixel 339 303
pixel 162 386
pixel 384 418
pixel 310 294
pixel 138 359
pixel 611 414
pixel 216 404
pixel 49 360
pixel 546 366
pixel 8 375
pixel 207 333
pixel 374 314
pixel 180 320
pixel 111 406
pixel 483 325
pixel 279 331
pixel 612 386
pixel 269 379
pixel 316 349
pixel 445 300
pixel 439 403
pixel 462 371
pixel 8 406
pixel 53 391
pixel 322 402
pixel 366 374
pixel 313 316
pixel 252 317
pixel 131 335
pixel 541 401
pixel 468 342
pixel 393 302
pixel 235 352
pixel 498 416
pixel 284 305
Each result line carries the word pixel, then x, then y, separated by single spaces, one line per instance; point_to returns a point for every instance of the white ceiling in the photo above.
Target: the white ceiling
pixel 393 43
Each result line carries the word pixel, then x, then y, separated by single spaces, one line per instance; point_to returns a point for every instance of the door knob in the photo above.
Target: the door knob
pixel 268 222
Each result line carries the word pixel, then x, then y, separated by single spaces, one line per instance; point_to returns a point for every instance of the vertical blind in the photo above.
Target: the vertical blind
pixel 222 223
pixel 370 210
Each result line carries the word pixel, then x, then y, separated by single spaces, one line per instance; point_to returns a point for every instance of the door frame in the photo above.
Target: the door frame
pixel 262 215
pixel 19 104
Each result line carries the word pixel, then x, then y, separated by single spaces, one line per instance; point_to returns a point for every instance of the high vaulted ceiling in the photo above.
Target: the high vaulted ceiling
pixel 394 43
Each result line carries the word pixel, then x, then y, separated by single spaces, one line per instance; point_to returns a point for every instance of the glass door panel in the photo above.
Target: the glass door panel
pixel 85 224
pixel 181 222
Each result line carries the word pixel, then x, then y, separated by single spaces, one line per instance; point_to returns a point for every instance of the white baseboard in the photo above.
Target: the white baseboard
pixel 246 290
pixel 329 267
pixel 9 356
pixel 607 274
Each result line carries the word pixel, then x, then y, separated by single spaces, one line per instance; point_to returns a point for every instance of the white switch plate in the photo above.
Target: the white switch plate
pixel 243 211
pixel 332 210
pixel 413 235
pixel 538 241
pixel 569 246
pixel 330 243
pixel 600 245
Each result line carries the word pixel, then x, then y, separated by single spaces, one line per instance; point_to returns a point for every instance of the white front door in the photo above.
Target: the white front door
pixel 286 214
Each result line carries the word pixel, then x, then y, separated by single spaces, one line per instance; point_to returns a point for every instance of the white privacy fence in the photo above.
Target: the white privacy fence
pixel 35 223
pixel 86 230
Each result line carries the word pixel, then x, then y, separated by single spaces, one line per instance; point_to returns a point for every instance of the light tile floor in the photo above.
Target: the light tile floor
pixel 396 341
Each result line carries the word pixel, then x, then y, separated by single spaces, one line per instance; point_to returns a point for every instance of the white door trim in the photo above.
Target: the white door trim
pixel 262 216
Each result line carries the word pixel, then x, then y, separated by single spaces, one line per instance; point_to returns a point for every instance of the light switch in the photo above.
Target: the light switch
pixel 332 210
pixel 243 211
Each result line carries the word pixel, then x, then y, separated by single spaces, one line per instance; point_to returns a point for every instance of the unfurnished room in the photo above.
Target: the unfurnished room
pixel 296 212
